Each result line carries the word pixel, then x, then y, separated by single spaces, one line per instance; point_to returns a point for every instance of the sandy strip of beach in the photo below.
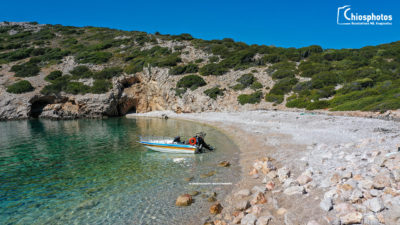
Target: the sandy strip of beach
pixel 310 168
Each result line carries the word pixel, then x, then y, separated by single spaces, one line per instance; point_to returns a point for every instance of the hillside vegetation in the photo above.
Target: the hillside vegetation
pixel 310 77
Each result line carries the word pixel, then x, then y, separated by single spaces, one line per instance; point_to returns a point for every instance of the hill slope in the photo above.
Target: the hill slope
pixel 59 71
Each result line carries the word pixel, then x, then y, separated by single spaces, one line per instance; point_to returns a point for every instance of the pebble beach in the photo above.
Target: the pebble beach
pixel 307 168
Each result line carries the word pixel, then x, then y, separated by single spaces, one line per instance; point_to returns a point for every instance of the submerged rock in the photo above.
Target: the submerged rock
pixel 209 174
pixel 194 193
pixel 184 200
pixel 216 208
pixel 224 164
pixel 88 204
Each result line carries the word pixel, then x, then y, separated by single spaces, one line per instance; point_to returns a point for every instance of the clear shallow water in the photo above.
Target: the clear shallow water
pixel 95 172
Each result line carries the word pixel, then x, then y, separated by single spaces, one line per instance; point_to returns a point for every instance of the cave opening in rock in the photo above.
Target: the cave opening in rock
pixel 37 107
pixel 131 110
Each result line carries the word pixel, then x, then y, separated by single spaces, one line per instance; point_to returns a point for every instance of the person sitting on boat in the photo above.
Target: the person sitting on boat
pixel 177 140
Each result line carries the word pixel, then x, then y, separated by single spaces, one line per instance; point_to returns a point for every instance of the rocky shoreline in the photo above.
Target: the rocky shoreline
pixel 309 168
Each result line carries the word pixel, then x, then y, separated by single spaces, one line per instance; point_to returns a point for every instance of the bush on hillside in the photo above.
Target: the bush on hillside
pixel 108 73
pixel 100 86
pixel 53 75
pixel 212 69
pixel 250 98
pixel 214 92
pixel 81 72
pixel 189 68
pixel 190 81
pixel 276 98
pixel 20 87
pixel 25 70
pixel 93 57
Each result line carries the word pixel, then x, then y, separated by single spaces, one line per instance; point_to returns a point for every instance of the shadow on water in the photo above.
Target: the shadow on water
pixel 94 171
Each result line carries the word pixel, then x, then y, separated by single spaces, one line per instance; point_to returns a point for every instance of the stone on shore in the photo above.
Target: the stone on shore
pixel 326 204
pixel 281 211
pixel 216 208
pixel 184 200
pixel 256 189
pixel 249 219
pixel 243 193
pixel 242 205
pixel 294 190
pixel 263 220
pixel 381 181
pixel 303 179
pixel 313 222
pixel 374 204
pixel 283 173
pixel 270 185
pixel 343 208
pixel 238 218
pixel 259 198
pixel 351 218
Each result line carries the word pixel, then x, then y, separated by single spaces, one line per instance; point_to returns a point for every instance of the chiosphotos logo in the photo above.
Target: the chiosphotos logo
pixel 347 16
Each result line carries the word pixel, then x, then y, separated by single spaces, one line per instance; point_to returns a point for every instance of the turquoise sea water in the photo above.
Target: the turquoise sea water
pixel 95 172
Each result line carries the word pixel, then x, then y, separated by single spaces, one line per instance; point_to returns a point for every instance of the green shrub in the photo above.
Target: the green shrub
pixel 297 103
pixel 325 79
pixel 76 88
pixel 56 85
pixel 16 55
pixel 285 65
pixel 100 86
pixel 108 73
pixel 250 99
pixel 271 58
pixel 199 60
pixel 357 85
pixel 213 59
pixel 81 72
pixel 53 75
pixel 93 57
pixel 214 92
pixel 246 79
pixel 20 87
pixel 238 87
pixel 317 105
pixel 283 86
pixel 283 73
pixel 189 68
pixel 256 85
pixel 135 66
pixel 270 97
pixel 25 70
pixel 212 69
pixel 190 81
pixel 166 61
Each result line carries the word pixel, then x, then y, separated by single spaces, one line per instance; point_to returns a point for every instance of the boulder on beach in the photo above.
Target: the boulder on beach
pixel 259 198
pixel 184 200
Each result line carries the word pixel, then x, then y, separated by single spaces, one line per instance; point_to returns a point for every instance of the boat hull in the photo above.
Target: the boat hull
pixel 170 148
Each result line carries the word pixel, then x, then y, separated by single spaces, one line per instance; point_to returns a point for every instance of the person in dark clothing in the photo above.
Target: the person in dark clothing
pixel 202 143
